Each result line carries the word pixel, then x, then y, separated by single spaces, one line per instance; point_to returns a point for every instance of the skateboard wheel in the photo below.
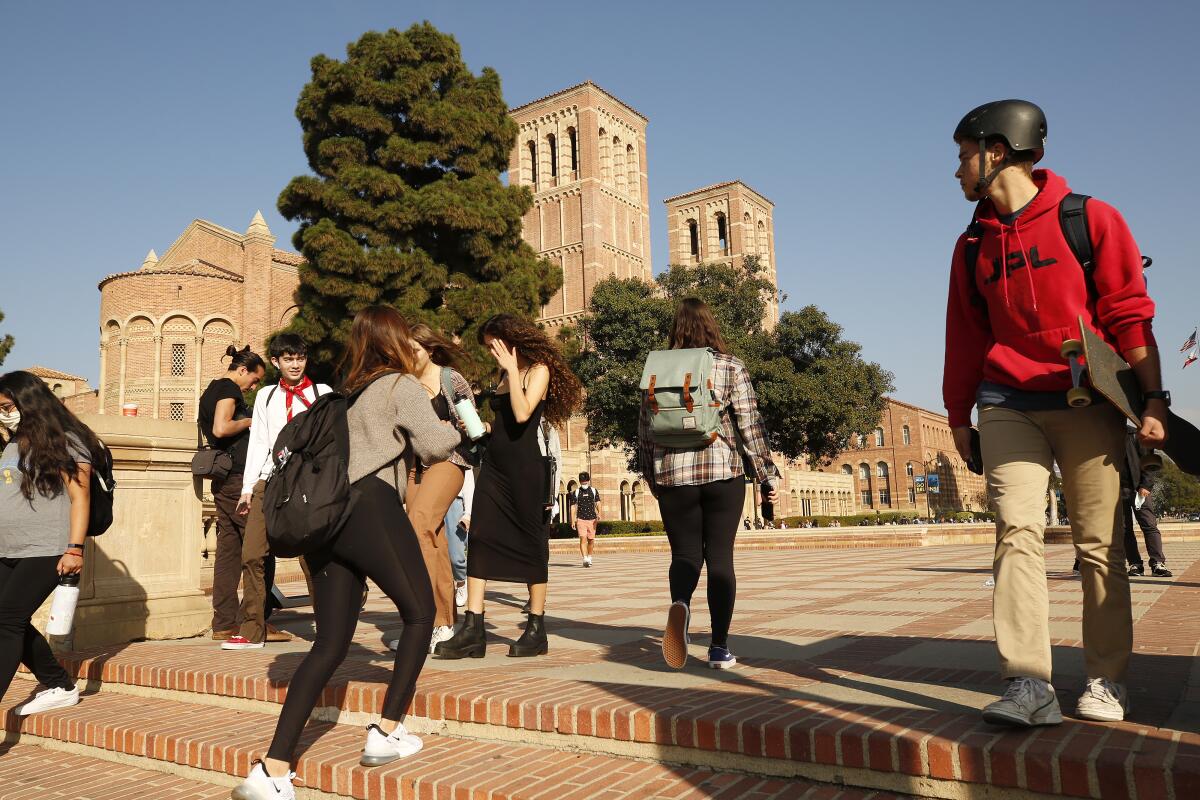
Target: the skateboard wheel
pixel 1071 349
pixel 1079 397
pixel 1151 462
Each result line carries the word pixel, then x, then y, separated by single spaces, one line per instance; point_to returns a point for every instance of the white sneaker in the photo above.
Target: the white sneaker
pixel 241 643
pixel 381 749
pixel 460 594
pixel 587 561
pixel 48 700
pixel 440 634
pixel 261 786
pixel 1026 702
pixel 1103 701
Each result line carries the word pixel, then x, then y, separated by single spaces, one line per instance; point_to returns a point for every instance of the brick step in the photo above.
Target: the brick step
pixel 770 731
pixel 216 745
pixel 30 772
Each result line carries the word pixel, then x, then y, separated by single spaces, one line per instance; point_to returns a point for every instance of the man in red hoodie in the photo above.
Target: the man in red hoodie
pixel 1007 316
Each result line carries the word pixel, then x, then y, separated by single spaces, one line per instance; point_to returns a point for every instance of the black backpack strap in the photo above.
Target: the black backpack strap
pixel 971 261
pixel 1072 215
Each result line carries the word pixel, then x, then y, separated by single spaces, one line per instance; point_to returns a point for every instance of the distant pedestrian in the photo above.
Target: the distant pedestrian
pixel 701 490
pixel 1136 486
pixel 587 516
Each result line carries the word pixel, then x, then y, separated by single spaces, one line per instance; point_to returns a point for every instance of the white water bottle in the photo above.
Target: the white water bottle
pixel 465 408
pixel 62 608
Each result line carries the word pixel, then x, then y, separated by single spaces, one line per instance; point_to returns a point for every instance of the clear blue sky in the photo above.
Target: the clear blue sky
pixel 121 122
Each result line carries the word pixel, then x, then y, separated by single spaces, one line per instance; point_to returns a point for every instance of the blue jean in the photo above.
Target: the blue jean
pixel 456 540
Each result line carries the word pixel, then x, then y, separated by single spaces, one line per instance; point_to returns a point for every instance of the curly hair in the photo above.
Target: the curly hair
pixel 565 393
pixel 44 435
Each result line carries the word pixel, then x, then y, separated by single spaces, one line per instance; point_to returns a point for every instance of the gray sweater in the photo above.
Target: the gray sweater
pixel 389 422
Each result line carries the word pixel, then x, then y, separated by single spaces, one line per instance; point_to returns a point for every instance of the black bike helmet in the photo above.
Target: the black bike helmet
pixel 1020 123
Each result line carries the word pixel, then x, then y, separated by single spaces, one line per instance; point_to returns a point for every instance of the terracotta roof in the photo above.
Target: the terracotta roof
pixel 720 186
pixel 53 374
pixel 590 83
pixel 287 257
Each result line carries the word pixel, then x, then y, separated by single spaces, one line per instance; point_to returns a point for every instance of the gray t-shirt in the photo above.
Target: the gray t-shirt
pixel 42 528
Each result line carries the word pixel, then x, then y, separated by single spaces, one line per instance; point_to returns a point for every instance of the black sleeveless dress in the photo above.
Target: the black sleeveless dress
pixel 509 540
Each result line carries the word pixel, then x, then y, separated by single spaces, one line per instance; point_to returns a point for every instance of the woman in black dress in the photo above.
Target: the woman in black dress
pixel 509 541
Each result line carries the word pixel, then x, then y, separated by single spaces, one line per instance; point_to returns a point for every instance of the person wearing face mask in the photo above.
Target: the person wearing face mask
pixel 273 409
pixel 46 455
pixel 224 419
pixel 433 488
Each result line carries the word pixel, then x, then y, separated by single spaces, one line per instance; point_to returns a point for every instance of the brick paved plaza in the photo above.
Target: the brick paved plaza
pixel 859 667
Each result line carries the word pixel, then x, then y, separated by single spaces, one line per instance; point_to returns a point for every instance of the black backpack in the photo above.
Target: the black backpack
pixel 1072 216
pixel 103 486
pixel 307 499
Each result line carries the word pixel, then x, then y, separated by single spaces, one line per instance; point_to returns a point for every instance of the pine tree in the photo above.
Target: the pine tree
pixel 6 343
pixel 406 206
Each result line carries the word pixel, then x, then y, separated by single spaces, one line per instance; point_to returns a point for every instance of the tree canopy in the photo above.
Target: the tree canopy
pixel 814 388
pixel 1175 491
pixel 6 342
pixel 406 206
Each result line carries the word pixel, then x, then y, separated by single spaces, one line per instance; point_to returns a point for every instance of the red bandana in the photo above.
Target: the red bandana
pixel 296 391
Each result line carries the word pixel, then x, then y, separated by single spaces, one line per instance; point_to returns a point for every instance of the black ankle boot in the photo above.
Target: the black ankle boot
pixel 471 640
pixel 533 640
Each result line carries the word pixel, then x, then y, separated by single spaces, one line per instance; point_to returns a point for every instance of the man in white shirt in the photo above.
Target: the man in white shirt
pixel 274 407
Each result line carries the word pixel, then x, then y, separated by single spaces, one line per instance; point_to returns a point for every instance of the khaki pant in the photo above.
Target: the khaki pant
pixel 430 492
pixel 254 554
pixel 1019 448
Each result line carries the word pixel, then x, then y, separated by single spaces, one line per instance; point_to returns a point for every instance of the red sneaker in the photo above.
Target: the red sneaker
pixel 240 643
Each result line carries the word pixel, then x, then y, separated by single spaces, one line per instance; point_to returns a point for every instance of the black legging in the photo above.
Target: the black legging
pixel 701 523
pixel 379 543
pixel 25 583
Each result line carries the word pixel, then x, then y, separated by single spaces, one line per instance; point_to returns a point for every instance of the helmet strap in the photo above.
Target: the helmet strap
pixel 985 180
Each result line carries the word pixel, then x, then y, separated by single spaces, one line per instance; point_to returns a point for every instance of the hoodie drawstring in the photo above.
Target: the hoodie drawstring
pixel 1028 266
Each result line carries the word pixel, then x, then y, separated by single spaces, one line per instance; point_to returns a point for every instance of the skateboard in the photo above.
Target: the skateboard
pixel 1094 360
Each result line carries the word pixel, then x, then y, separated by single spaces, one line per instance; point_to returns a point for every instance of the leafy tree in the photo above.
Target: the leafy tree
pixel 814 389
pixel 6 342
pixel 1175 491
pixel 406 206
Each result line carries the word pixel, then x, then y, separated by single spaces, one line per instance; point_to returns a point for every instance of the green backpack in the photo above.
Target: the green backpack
pixel 678 393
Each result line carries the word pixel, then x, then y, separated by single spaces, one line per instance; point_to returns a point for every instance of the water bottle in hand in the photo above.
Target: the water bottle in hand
pixel 62 608
pixel 465 408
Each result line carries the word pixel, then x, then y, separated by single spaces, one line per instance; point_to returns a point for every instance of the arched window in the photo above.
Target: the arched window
pixel 864 472
pixel 625 504
pixel 748 235
pixel 619 163
pixel 881 469
pixel 862 440
pixel 604 163
pixel 573 141
pixel 879 437
pixel 762 242
pixel 570 515
pixel 533 164
pixel 722 234
pixel 847 470
pixel 906 435
pixel 908 469
pixel 552 144
pixel 631 165
pixel 694 239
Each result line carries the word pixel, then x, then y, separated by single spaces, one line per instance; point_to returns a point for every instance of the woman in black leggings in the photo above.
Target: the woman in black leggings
pixel 391 424
pixel 701 491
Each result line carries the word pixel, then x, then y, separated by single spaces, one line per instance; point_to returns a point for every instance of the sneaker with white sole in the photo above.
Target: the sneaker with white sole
pixel 383 748
pixel 1103 701
pixel 440 634
pixel 460 594
pixel 261 786
pixel 587 561
pixel 241 643
pixel 675 635
pixel 1026 702
pixel 721 658
pixel 48 700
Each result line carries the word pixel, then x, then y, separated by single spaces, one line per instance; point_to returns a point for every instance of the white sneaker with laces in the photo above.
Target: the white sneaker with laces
pixel 383 749
pixel 440 634
pixel 1103 701
pixel 261 786
pixel 48 700
pixel 460 594
pixel 1026 702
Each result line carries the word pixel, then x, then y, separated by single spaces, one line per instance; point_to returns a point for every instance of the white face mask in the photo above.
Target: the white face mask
pixel 11 420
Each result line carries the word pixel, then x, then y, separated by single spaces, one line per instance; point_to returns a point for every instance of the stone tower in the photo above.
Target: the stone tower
pixel 583 154
pixel 724 222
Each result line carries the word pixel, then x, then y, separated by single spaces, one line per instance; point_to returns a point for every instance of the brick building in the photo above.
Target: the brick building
pixel 165 326
pixel 889 465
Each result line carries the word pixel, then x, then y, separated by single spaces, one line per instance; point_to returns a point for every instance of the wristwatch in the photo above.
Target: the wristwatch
pixel 1162 395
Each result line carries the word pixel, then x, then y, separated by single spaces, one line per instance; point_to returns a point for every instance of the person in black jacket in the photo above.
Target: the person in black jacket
pixel 1137 506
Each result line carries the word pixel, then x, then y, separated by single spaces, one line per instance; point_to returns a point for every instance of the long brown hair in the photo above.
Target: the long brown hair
pixel 695 326
pixel 565 392
pixel 378 343
pixel 43 437
pixel 442 351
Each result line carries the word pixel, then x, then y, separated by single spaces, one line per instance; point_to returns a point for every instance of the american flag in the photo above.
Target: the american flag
pixel 1191 357
pixel 1189 344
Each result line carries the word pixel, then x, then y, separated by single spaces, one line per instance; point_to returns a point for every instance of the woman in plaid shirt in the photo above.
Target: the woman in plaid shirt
pixel 701 492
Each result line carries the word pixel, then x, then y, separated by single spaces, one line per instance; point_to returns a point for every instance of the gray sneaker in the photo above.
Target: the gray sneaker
pixel 1103 701
pixel 1026 702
